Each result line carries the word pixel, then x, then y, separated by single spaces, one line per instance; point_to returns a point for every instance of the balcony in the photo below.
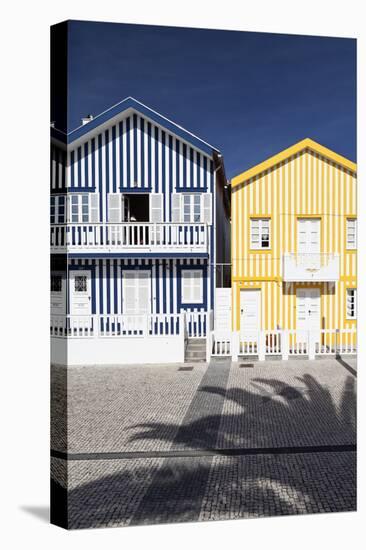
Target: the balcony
pixel 130 238
pixel 311 267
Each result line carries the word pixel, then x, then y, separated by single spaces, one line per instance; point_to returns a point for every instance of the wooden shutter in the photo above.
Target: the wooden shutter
pixel 94 207
pixel 176 207
pixel 206 208
pixel 114 207
pixel 156 207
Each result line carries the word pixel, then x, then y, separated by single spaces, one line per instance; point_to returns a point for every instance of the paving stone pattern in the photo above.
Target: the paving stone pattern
pixel 220 407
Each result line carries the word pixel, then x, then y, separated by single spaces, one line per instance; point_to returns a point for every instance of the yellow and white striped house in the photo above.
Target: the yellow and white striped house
pixel 294 242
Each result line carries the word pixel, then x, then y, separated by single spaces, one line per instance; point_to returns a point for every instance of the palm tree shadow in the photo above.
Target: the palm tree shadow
pixel 271 413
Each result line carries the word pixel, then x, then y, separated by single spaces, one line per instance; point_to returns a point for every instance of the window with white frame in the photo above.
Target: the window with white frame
pixel 192 207
pixel 351 303
pixel 260 233
pixel 192 286
pixel 58 209
pixel 83 207
pixel 351 233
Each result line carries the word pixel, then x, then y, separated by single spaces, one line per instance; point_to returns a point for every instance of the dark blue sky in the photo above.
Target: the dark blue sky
pixel 249 94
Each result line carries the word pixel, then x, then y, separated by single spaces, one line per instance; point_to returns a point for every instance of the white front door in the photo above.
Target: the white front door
pixel 80 292
pixel 223 309
pixel 250 301
pixel 136 292
pixel 308 313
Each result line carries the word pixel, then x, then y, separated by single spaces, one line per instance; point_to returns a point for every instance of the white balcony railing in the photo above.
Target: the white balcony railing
pixel 141 237
pixel 311 267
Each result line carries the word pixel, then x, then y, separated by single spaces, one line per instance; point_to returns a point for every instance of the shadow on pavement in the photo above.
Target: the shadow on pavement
pixel 222 487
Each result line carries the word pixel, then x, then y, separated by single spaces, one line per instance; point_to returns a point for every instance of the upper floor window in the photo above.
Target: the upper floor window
pixel 57 209
pixel 260 233
pixel 192 286
pixel 83 207
pixel 351 233
pixel 192 207
pixel 351 303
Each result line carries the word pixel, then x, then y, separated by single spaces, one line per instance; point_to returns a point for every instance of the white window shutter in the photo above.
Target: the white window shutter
pixel 206 208
pixel 94 207
pixel 68 208
pixel 176 207
pixel 156 207
pixel 114 207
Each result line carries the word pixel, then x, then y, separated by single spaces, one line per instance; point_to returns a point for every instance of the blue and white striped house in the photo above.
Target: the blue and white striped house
pixel 139 219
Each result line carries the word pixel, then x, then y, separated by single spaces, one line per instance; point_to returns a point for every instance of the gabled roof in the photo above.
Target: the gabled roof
pixel 132 104
pixel 304 144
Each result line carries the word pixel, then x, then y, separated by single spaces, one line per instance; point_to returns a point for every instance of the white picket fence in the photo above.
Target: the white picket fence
pixel 283 343
pixel 104 326
pixel 194 324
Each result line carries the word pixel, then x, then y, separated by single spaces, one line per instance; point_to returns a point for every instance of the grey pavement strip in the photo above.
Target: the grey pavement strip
pixel 153 507
pixel 193 453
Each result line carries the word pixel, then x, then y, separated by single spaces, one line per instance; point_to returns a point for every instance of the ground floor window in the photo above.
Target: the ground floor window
pixel 351 303
pixel 192 286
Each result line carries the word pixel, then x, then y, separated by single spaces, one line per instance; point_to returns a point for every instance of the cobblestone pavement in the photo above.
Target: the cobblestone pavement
pixel 216 442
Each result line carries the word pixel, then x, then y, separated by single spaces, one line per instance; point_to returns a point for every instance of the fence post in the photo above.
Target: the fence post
pixel 96 320
pixel 311 345
pixel 235 342
pixel 284 345
pixel 262 345
pixel 209 335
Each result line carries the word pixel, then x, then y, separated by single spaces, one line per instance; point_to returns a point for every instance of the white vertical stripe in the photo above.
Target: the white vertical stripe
pixel 104 177
pixel 110 159
pixel 160 163
pixel 118 168
pixel 124 149
pixel 68 170
pixel 153 145
pixel 146 183
pixel 82 167
pixel 194 168
pixel 132 151
pixel 139 137
pixel 188 165
pixel 167 179
pixel 175 301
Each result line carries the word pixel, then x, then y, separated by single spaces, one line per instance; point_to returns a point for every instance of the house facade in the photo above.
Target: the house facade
pixel 139 212
pixel 294 242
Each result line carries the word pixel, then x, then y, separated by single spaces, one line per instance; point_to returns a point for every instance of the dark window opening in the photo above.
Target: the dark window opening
pixel 137 207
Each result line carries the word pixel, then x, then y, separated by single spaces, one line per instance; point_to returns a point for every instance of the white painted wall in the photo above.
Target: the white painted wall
pixel 117 351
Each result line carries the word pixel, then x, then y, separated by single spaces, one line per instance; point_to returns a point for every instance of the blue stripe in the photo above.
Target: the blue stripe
pixel 115 280
pixel 177 164
pixel 121 159
pixel 106 156
pixel 108 286
pixel 149 158
pixel 198 166
pixel 184 182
